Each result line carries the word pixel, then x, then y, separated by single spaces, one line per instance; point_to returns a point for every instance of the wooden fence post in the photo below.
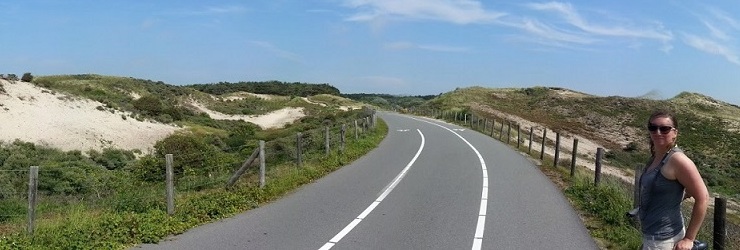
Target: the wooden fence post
pixel 341 137
pixel 170 178
pixel 299 148
pixel 501 133
pixel 357 136
pixel 326 140
pixel 465 122
pixel 573 157
pixel 542 151
pixel 518 136
pixel 557 149
pixel 599 155
pixel 636 188
pixel 720 217
pixel 493 127
pixel 531 133
pixel 33 187
pixel 485 124
pixel 244 166
pixel 508 133
pixel 262 164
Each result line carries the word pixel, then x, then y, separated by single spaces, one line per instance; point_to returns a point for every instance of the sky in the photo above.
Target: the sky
pixel 401 47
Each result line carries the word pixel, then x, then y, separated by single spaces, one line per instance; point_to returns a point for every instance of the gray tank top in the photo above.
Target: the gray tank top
pixel 660 202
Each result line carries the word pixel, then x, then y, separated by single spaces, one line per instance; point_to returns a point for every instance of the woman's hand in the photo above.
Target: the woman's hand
pixel 684 244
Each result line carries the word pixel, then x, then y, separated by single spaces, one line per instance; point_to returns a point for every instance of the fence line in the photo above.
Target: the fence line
pixel 719 230
pixel 316 138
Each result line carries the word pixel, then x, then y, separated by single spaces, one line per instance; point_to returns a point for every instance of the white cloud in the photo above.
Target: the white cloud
pixel 727 19
pixel 573 17
pixel 210 10
pixel 722 29
pixel 436 48
pixel 454 11
pixel 716 32
pixel 712 47
pixel 545 31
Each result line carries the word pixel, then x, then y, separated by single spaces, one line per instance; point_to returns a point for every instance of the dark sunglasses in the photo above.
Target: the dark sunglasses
pixel 663 129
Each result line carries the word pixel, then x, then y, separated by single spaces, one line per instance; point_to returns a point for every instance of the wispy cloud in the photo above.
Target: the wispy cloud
pixel 277 51
pixel 210 10
pixel 721 29
pixel 548 32
pixel 580 30
pixel 436 48
pixel 712 47
pixel 454 11
pixel 724 17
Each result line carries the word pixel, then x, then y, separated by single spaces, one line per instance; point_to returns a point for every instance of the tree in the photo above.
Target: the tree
pixel 27 77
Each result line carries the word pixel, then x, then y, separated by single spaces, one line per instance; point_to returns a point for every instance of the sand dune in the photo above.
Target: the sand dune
pixel 38 115
pixel 34 114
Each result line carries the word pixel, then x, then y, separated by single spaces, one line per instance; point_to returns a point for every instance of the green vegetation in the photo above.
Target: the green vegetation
pixel 114 198
pixel 27 77
pixel 708 128
pixel 270 87
pixel 393 102
pixel 136 216
pixel 602 208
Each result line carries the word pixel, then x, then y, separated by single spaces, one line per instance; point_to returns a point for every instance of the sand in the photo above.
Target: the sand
pixel 33 114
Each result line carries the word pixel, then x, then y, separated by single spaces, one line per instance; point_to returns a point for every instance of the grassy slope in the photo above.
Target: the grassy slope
pixel 708 127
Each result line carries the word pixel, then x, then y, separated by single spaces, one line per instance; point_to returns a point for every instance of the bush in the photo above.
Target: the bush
pixel 11 208
pixel 27 77
pixel 148 168
pixel 112 158
pixel 149 104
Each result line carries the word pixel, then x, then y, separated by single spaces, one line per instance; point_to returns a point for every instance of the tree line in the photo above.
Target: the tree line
pixel 268 87
pixel 27 77
pixel 390 101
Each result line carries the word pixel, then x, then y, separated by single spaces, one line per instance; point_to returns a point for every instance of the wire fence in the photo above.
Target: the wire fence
pixel 535 138
pixel 195 171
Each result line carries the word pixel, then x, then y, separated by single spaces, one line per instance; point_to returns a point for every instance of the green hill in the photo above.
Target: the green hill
pixel 708 128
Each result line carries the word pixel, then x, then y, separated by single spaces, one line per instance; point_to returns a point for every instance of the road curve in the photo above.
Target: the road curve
pixel 428 185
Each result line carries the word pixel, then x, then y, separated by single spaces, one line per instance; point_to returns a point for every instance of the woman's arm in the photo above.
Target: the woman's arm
pixel 688 175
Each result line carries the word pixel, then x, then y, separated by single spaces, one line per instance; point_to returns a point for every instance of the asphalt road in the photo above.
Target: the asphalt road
pixel 428 185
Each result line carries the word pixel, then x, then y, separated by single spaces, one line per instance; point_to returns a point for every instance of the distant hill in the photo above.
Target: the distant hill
pixel 709 129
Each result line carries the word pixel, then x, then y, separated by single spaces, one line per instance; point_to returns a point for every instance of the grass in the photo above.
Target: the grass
pixel 602 208
pixel 86 226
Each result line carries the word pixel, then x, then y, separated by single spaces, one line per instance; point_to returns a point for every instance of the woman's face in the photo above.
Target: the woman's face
pixel 662 132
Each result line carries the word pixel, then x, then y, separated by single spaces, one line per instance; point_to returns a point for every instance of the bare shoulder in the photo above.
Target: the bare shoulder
pixel 679 164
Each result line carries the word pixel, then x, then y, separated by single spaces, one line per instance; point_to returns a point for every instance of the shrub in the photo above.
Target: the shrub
pixel 149 104
pixel 112 158
pixel 27 77
pixel 148 168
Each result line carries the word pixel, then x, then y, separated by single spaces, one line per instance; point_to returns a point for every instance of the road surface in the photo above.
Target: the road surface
pixel 428 185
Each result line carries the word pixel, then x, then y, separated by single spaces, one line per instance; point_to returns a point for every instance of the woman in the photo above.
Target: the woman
pixel 669 178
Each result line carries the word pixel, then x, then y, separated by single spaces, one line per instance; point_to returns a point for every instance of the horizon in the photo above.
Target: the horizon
pixel 394 47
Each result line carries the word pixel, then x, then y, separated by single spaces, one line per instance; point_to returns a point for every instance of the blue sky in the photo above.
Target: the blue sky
pixel 410 47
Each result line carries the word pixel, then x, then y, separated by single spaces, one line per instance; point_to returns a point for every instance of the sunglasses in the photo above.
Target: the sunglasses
pixel 662 129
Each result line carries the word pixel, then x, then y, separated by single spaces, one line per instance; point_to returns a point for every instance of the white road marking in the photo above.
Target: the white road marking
pixel 480 227
pixel 377 201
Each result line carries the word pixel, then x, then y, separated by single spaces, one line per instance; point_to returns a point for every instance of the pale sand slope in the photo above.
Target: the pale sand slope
pixel 34 114
pixel 275 119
